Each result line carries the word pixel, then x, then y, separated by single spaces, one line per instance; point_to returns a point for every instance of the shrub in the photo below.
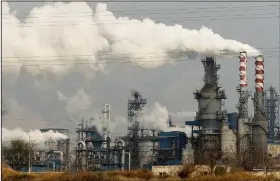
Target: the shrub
pixel 220 171
pixel 186 171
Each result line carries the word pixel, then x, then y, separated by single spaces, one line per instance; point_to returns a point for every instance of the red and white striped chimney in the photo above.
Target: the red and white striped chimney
pixel 243 69
pixel 259 74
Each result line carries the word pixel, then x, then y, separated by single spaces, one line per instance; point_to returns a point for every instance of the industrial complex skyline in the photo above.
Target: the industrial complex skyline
pixel 75 96
pixel 129 85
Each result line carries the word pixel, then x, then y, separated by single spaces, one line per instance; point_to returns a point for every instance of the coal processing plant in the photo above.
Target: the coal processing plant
pixel 216 135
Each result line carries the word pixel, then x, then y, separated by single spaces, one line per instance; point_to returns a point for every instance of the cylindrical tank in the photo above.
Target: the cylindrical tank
pixel 145 151
pixel 228 141
pixel 188 154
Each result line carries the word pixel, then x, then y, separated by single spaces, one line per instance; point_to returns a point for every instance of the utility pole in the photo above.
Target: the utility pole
pixel 29 155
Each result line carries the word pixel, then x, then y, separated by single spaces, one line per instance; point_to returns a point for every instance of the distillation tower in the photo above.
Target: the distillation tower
pixel 210 113
pixel 135 105
pixel 106 112
pixel 260 124
pixel 271 104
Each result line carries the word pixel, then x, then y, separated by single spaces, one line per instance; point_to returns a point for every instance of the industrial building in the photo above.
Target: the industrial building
pixel 216 135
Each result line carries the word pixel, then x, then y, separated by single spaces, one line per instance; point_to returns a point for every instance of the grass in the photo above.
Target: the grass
pixel 135 175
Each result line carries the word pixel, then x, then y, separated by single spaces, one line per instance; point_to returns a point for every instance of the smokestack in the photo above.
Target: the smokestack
pixel 243 70
pixel 259 127
pixel 259 74
pixel 242 107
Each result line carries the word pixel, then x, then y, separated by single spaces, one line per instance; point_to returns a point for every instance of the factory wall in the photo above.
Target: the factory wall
pixel 166 170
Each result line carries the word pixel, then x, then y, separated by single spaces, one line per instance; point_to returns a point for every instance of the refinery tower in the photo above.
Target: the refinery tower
pixel 211 113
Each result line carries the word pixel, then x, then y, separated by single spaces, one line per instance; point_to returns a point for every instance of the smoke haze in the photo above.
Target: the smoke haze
pixel 58 46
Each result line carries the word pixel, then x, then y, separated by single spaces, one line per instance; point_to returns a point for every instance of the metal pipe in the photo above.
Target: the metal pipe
pixel 129 160
pixel 123 155
pixel 83 143
pixel 123 152
pixel 29 156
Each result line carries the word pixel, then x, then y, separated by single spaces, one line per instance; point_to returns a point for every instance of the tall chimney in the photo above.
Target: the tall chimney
pixel 259 74
pixel 242 141
pixel 243 70
pixel 259 126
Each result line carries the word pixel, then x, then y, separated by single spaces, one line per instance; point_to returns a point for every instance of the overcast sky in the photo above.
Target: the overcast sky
pixel 34 106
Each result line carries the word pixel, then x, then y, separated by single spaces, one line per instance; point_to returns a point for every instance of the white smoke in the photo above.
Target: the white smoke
pixel 156 116
pixel 152 117
pixel 52 34
pixel 34 135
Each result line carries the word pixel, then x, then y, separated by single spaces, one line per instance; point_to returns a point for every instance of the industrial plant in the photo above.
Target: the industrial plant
pixel 216 135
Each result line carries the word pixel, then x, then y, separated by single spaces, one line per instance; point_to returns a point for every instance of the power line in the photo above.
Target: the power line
pixel 154 12
pixel 98 63
pixel 267 50
pixel 128 21
pixel 226 8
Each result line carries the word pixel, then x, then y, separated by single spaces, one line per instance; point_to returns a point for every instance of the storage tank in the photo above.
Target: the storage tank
pixel 145 152
pixel 228 140
pixel 188 154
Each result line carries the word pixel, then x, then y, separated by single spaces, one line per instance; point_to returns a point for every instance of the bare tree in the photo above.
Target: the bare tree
pixel 19 153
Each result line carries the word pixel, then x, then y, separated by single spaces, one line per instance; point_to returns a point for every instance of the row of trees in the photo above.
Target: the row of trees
pixel 18 153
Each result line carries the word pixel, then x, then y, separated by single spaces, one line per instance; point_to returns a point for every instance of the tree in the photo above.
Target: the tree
pixel 18 153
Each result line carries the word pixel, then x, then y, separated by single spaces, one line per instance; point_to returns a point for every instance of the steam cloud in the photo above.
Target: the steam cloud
pixel 156 116
pixel 35 135
pixel 52 34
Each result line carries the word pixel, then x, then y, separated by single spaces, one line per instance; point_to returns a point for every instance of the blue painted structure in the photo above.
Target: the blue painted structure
pixel 50 165
pixel 173 141
pixel 167 139
pixel 232 120
pixel 192 123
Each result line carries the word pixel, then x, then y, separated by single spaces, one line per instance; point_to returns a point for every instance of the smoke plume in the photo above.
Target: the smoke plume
pixel 33 135
pixel 64 36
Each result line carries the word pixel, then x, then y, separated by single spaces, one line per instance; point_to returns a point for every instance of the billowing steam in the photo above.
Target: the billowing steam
pixel 152 117
pixel 33 135
pixel 62 36
pixel 156 116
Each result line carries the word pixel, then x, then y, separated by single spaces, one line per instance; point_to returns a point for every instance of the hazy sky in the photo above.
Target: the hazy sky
pixel 35 106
